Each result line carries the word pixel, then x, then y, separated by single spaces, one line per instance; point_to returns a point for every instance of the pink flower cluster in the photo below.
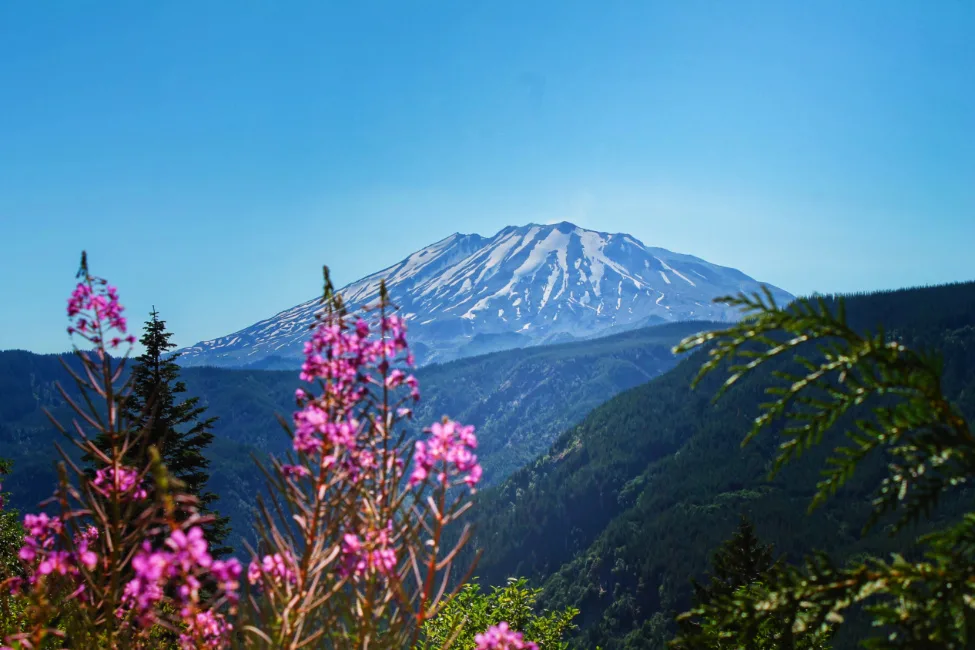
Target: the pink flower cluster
pixel 373 554
pixel 95 310
pixel 313 429
pixel 350 363
pixel 500 637
pixel 205 630
pixel 343 357
pixel 450 445
pixel 278 568
pixel 40 548
pixel 347 361
pixel 124 482
pixel 181 569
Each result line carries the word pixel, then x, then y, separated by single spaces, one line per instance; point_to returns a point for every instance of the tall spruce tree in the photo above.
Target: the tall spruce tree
pixel 740 561
pixel 176 426
pixel 738 567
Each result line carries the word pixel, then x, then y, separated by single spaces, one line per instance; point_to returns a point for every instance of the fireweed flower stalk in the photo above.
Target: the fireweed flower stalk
pixel 351 542
pixel 94 576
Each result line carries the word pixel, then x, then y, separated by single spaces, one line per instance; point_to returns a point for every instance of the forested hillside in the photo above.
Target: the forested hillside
pixel 519 400
pixel 626 508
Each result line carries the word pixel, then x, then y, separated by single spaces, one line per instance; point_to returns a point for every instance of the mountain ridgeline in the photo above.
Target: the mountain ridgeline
pixel 519 401
pixel 468 295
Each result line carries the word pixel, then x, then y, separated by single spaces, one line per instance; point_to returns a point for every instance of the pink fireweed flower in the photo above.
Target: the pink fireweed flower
pixel 227 574
pixel 500 637
pixel 278 568
pixel 27 553
pixel 414 388
pixel 347 362
pixel 395 378
pixel 343 433
pixel 205 630
pixel 189 549
pixel 16 584
pixel 41 536
pixel 94 306
pixel 181 569
pixel 395 328
pixel 59 562
pixel 145 590
pixel 448 447
pixel 82 541
pixel 373 553
pixel 42 526
pixel 124 482
pixel 361 328
pixel 295 471
pixel 41 551
pixel 88 535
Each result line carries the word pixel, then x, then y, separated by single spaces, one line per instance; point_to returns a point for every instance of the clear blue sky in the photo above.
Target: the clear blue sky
pixel 212 155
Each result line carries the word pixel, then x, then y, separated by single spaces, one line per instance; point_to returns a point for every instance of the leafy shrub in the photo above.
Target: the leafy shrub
pixel 515 603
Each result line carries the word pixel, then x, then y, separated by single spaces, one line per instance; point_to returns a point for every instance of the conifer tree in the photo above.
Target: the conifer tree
pixel 740 561
pixel 176 426
pixel 739 566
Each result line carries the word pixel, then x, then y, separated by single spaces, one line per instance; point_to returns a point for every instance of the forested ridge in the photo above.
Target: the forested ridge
pixel 520 400
pixel 627 507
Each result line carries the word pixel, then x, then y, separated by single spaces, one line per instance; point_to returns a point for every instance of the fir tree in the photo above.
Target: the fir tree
pixel 740 561
pixel 739 567
pixel 177 427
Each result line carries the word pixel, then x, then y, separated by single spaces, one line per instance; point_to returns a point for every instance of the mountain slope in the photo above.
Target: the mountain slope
pixel 519 400
pixel 467 295
pixel 627 506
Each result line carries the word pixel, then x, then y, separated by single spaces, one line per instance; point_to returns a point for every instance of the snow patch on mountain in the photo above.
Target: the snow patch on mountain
pixel 523 286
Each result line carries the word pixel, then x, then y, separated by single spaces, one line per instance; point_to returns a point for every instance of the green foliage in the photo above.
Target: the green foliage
pixel 767 636
pixel 632 502
pixel 174 425
pixel 11 539
pixel 472 612
pixel 929 446
pixel 740 561
pixel 739 566
pixel 11 531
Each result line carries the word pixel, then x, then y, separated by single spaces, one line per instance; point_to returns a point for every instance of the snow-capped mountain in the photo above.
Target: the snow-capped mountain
pixel 527 285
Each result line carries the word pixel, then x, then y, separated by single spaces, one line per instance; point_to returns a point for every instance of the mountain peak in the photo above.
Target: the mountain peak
pixel 468 294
